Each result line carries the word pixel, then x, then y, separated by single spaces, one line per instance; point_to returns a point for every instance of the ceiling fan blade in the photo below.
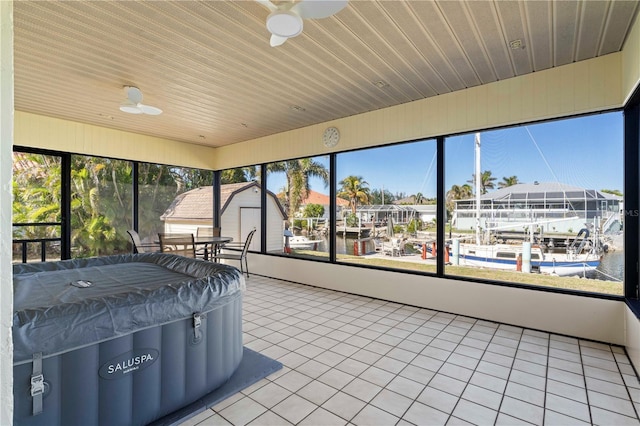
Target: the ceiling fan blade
pixel 317 9
pixel 130 107
pixel 150 110
pixel 277 40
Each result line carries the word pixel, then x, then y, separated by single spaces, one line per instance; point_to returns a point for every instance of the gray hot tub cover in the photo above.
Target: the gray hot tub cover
pixel 127 293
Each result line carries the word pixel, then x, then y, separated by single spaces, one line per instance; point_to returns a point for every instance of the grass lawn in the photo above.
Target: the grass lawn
pixel 572 283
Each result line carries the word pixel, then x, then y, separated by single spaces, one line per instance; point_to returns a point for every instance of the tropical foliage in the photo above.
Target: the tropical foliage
pixel 381 196
pixel 313 210
pixel 237 175
pixel 508 181
pixel 298 172
pixel 354 189
pixel 457 192
pixel 36 197
pixel 612 191
pixel 486 181
pixel 101 199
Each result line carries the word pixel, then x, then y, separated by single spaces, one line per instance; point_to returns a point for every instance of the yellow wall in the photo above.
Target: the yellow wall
pixel 38 131
pixel 632 330
pixel 590 318
pixel 582 87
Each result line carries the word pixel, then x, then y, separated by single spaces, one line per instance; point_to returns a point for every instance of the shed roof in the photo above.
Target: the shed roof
pixel 198 203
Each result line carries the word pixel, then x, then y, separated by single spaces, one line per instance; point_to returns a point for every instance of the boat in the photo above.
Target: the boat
pixel 570 260
pixel 303 242
pixel 582 255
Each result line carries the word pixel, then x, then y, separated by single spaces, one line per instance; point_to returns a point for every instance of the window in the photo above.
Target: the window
pixel 548 193
pixel 173 200
pixel 240 205
pixel 101 206
pixel 37 200
pixel 298 207
pixel 387 206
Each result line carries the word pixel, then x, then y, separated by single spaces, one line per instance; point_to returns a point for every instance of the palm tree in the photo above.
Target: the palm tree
pixel 457 192
pixel 419 198
pixel 508 181
pixel 355 189
pixel 298 173
pixel 486 181
pixel 239 174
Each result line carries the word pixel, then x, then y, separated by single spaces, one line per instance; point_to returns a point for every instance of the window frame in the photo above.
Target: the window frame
pixel 631 159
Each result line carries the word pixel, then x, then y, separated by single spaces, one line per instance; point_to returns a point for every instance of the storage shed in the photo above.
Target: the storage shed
pixel 239 213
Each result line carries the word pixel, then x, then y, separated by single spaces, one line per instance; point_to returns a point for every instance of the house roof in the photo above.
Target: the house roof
pixel 314 197
pixel 198 203
pixel 549 191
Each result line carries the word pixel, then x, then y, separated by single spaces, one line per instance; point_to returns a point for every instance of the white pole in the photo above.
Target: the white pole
pixel 478 178
pixel 455 251
pixel 526 257
pixel 6 169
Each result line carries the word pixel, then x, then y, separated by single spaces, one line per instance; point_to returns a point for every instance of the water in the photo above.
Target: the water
pixel 611 268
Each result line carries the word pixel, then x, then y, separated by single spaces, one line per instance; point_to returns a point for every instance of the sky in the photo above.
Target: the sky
pixel 585 152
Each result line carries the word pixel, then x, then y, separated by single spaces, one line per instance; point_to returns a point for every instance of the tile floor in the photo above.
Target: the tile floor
pixel 355 360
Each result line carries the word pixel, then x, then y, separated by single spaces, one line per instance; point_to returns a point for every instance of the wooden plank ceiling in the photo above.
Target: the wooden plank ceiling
pixel 208 64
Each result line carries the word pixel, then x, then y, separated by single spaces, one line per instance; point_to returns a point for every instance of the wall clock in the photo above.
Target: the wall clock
pixel 331 137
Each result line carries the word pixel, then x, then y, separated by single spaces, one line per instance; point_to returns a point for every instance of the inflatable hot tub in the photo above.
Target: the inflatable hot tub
pixel 121 340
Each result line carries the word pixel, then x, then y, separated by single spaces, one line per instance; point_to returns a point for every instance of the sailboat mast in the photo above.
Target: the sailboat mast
pixel 478 178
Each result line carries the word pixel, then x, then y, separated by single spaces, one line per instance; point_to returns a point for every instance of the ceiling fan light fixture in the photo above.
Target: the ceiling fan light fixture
pixel 133 103
pixel 284 23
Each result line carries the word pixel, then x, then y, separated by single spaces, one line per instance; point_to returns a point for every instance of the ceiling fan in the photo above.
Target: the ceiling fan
pixel 133 104
pixel 285 19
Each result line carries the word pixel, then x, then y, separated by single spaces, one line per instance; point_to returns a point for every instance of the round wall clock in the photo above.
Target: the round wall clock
pixel 331 136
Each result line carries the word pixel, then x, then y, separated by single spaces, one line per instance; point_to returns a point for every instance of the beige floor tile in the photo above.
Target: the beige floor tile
pixel 344 405
pixel 322 417
pixel 294 408
pixel 361 361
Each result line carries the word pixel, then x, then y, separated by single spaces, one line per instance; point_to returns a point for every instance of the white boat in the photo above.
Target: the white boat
pixel 302 242
pixel 570 261
pixel 582 255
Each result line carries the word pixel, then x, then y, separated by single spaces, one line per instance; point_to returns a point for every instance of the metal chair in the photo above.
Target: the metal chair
pixel 138 245
pixel 180 244
pixel 242 256
pixel 206 231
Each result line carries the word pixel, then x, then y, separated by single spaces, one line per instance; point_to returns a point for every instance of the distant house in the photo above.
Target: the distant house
pixel 380 213
pixel 314 197
pixel 239 213
pixel 426 212
pixel 550 206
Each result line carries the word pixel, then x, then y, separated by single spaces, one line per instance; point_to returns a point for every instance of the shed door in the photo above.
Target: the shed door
pixel 250 220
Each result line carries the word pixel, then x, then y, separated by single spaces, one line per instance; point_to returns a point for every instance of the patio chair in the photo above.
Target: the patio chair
pixel 397 248
pixel 206 231
pixel 180 244
pixel 241 256
pixel 138 245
